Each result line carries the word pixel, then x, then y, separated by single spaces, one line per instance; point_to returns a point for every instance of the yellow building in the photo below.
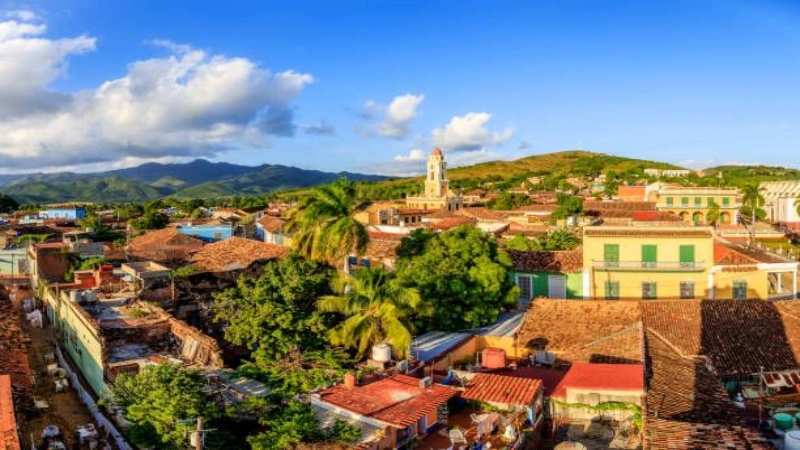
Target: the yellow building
pixel 437 193
pixel 647 262
pixel 694 203
pixel 679 262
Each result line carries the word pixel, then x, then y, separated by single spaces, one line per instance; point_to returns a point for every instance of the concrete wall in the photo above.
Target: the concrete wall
pixel 13 261
pixel 80 336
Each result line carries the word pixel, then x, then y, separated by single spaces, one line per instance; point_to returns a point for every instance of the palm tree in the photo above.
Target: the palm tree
pixel 797 204
pixel 712 216
pixel 378 309
pixel 751 196
pixel 324 223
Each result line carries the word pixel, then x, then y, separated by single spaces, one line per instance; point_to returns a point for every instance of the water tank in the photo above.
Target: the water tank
pixel 493 358
pixel 89 296
pixel 791 440
pixel 784 421
pixel 74 296
pixel 382 352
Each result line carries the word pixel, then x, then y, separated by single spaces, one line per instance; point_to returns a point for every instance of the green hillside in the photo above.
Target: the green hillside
pixel 109 189
pixel 742 175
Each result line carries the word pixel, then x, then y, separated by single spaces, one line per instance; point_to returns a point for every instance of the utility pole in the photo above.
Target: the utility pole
pixel 198 443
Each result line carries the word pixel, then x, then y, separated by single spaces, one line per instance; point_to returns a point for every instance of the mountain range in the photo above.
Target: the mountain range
pixel 198 178
pixel 205 179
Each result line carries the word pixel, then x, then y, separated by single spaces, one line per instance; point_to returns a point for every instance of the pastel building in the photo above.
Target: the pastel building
pixel 63 213
pixel 693 204
pixel 437 194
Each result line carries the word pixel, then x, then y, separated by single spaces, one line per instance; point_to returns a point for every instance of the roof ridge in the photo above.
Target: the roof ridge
pixel 671 345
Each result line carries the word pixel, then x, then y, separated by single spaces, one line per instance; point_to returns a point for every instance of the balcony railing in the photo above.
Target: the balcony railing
pixel 645 266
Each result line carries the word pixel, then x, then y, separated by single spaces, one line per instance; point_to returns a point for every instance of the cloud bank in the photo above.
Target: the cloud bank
pixel 393 121
pixel 187 103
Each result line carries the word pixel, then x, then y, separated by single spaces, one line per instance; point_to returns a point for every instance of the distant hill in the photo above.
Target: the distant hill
pixel 557 162
pixel 199 178
pixel 742 175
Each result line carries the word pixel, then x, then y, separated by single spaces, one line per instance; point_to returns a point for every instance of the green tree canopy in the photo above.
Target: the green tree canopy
pixel 520 242
pixel 568 206
pixel 509 201
pixel 150 220
pixel 462 274
pixel 157 398
pixel 7 204
pixel 295 424
pixel 377 309
pixel 560 239
pixel 276 312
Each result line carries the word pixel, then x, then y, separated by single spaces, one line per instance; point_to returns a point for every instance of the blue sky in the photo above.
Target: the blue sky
pixel 371 86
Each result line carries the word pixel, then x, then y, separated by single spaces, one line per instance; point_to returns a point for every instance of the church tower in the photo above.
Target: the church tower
pixel 436 185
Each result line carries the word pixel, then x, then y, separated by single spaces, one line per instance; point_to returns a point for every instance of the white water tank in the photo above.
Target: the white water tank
pixel 791 440
pixel 382 352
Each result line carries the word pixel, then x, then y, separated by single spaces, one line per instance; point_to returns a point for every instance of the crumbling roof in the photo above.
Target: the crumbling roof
pixel 398 400
pixel 272 224
pixel 165 238
pixel 235 253
pixel 738 337
pixel 547 261
pixel 727 254
pixel 503 389
pixel 687 407
pixel 654 216
pixel 584 331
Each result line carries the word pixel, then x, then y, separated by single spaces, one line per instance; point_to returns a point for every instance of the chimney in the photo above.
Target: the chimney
pixel 349 380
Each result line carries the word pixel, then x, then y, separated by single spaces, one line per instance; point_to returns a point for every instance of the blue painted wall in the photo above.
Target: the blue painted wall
pixel 63 213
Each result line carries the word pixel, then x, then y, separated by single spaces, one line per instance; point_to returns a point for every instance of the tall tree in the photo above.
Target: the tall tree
pixel 462 274
pixel 377 309
pixel 158 398
pixel 751 196
pixel 713 214
pixel 276 312
pixel 324 223
pixel 7 204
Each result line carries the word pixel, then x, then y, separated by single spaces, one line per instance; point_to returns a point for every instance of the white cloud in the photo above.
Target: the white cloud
pixel 186 104
pixel 169 45
pixel 413 155
pixel 469 133
pixel 24 15
pixel 394 120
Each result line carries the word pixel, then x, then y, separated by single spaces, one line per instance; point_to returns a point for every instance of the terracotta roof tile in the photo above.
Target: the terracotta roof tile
pixel 482 213
pixel 235 253
pixel 164 239
pixel 738 337
pixel 272 224
pixel 398 400
pixel 450 223
pixel 547 261
pixel 503 389
pixel 9 439
pixel 610 331
pixel 687 407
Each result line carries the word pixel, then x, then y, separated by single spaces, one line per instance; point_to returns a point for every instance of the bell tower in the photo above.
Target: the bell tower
pixel 436 184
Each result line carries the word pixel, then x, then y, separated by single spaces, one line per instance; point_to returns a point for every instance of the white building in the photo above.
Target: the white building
pixel 781 200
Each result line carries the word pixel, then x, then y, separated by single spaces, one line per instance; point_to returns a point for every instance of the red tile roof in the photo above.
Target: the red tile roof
pixel 606 377
pixel 165 239
pixel 450 223
pixel 398 400
pixel 9 440
pixel 235 253
pixel 503 389
pixel 737 337
pixel 687 407
pixel 482 213
pixel 550 378
pixel 272 224
pixel 597 331
pixel 547 261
